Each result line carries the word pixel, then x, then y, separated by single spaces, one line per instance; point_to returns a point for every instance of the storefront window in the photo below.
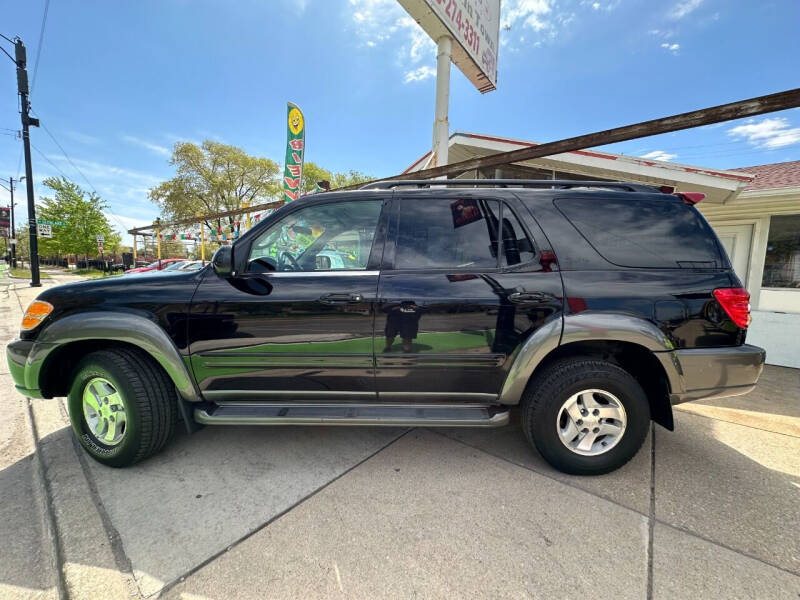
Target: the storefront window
pixel 782 263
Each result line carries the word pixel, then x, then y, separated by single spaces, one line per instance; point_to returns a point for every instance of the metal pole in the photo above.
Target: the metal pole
pixel 22 87
pixel 441 126
pixel 134 250
pixel 203 244
pixel 13 235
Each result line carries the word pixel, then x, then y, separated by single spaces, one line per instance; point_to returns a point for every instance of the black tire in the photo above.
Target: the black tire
pixel 149 398
pixel 547 392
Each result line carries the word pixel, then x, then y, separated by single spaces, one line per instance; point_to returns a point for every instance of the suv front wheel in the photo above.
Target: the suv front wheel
pixel 585 416
pixel 122 406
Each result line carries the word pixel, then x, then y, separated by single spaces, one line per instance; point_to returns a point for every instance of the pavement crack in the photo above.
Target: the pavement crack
pixel 651 520
pixel 50 517
pixel 121 560
pixel 277 516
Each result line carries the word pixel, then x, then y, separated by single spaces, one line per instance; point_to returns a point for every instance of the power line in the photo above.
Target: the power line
pixel 39 47
pixel 74 166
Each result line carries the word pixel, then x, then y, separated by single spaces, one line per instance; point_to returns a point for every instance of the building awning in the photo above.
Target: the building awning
pixel 718 186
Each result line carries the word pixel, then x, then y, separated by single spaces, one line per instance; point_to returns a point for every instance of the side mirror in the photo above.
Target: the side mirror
pixel 222 261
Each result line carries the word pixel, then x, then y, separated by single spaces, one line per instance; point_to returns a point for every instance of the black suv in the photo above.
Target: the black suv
pixel 595 306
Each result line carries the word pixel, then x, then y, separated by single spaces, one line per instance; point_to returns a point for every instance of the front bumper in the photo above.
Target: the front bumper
pixel 704 373
pixel 25 358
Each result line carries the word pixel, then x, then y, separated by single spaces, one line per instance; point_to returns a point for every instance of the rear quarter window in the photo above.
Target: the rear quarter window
pixel 662 232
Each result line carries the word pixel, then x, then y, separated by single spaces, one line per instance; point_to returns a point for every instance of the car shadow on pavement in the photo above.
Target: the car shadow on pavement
pixel 172 514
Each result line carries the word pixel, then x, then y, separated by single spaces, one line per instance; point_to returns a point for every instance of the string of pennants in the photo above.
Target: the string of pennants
pixel 216 234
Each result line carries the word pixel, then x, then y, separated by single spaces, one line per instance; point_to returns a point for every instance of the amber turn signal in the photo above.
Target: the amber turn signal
pixel 35 314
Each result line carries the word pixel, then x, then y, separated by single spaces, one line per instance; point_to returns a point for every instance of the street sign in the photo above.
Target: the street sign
pixel 474 26
pixel 51 222
pixel 45 231
pixel 100 239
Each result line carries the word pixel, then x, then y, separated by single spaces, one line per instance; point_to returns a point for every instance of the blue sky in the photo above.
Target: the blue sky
pixel 118 83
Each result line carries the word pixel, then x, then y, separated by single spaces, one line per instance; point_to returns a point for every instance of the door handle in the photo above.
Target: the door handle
pixel 345 298
pixel 527 297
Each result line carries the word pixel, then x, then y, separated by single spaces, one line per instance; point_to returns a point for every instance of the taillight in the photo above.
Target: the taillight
pixel 690 198
pixel 735 302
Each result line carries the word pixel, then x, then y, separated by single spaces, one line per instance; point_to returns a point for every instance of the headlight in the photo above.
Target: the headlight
pixel 35 314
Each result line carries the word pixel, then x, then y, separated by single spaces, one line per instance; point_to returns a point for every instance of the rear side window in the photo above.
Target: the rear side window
pixel 643 232
pixel 447 234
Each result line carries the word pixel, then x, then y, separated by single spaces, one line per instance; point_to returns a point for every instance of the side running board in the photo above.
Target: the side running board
pixel 352 414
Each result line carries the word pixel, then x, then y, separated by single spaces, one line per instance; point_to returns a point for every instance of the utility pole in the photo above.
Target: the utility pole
pixel 22 87
pixel 13 226
pixel 12 230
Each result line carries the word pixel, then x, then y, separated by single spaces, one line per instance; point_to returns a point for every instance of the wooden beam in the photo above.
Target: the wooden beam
pixel 219 215
pixel 696 118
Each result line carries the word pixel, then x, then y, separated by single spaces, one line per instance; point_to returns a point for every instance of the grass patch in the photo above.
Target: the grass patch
pixel 92 273
pixel 26 274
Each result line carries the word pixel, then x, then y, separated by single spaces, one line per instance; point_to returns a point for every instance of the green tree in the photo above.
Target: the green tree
pixel 312 173
pixel 84 218
pixel 213 178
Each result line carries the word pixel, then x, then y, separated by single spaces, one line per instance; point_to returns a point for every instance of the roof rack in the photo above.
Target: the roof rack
pixel 509 183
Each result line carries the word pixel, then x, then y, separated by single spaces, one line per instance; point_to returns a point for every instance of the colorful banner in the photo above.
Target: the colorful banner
pixel 295 147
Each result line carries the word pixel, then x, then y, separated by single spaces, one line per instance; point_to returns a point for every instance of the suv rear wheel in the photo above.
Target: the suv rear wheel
pixel 122 406
pixel 585 416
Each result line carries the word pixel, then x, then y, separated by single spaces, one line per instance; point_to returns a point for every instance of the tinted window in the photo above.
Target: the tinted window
pixel 326 237
pixel 782 262
pixel 447 233
pixel 642 232
pixel 516 246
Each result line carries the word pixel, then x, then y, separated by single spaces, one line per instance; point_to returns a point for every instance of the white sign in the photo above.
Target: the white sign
pixel 100 239
pixel 475 27
pixel 45 231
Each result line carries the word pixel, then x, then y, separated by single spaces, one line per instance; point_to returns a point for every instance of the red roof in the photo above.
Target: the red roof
pixel 776 175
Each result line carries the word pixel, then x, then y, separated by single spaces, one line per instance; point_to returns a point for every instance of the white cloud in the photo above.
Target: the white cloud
pixel 378 21
pixel 769 133
pixel 420 74
pixel 155 148
pixel 673 48
pixel 659 155
pixel 528 13
pixel 683 8
pixel 596 5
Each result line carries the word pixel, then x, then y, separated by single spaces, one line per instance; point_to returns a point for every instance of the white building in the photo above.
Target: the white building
pixel 755 212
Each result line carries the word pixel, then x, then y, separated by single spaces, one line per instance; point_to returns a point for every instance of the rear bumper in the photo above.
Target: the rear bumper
pixel 704 373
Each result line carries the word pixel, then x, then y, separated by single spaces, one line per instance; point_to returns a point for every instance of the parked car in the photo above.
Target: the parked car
pixel 158 265
pixel 593 306
pixel 192 265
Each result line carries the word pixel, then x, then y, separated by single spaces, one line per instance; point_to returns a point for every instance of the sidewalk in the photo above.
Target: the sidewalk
pixel 710 510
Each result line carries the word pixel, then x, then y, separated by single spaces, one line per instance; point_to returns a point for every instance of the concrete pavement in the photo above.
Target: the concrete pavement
pixel 710 510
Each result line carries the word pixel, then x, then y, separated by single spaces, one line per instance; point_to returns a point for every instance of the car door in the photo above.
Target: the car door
pixel 461 287
pixel 297 322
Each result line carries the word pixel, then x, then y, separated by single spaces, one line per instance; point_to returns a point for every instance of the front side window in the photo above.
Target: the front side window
pixel 447 234
pixel 334 236
pixel 782 262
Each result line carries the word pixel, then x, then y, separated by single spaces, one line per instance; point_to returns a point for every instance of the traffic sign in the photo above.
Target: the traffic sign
pixel 51 222
pixel 100 238
pixel 45 231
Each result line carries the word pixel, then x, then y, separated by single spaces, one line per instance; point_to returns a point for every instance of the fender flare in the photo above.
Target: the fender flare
pixel 125 327
pixel 588 326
